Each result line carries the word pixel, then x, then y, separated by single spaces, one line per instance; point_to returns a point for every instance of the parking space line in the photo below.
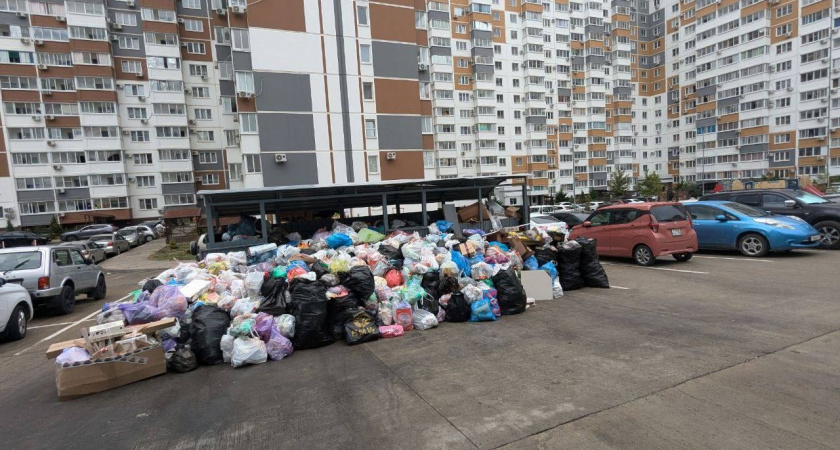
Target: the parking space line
pixel 655 268
pixel 612 286
pixel 735 259
pixel 54 325
pixel 71 325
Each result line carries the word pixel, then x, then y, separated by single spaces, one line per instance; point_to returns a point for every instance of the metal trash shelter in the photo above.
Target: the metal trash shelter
pixel 338 197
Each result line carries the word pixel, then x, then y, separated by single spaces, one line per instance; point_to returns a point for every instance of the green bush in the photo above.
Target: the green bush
pixel 55 229
pixel 173 245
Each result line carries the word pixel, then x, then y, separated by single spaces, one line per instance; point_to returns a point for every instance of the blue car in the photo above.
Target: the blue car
pixel 753 232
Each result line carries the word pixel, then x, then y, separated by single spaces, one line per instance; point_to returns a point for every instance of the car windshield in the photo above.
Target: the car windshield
pixel 746 210
pixel 101 237
pixel 543 220
pixel 809 198
pixel 668 213
pixel 20 261
pixel 569 219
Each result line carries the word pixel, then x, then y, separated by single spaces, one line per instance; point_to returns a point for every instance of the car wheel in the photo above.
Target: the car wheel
pixel 829 234
pixel 753 245
pixel 16 328
pixel 683 257
pixel 66 300
pixel 643 255
pixel 117 251
pixel 71 238
pixel 101 290
pixel 149 239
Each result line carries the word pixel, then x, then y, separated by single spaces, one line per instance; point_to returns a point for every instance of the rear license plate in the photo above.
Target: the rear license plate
pixel 815 237
pixel 676 231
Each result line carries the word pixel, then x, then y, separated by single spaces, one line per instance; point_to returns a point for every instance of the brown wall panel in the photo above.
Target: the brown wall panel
pixel 392 24
pixel 397 96
pixel 62 97
pixel 94 71
pixel 130 76
pixel 264 14
pixel 195 34
pixel 407 166
pixel 18 69
pixel 46 21
pixel 161 27
pixel 21 96
pixel 98 96
pixel 246 104
pixel 428 142
pixel 158 4
pixel 66 122
pixel 90 46
pixel 398 2
pixel 4 161
pixel 58 72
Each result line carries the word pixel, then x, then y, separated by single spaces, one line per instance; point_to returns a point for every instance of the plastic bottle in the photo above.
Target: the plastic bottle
pixel 403 315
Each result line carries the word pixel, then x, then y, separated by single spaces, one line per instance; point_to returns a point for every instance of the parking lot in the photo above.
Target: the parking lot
pixel 720 352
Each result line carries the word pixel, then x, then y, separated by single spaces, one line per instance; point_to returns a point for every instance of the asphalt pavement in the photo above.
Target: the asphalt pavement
pixel 719 352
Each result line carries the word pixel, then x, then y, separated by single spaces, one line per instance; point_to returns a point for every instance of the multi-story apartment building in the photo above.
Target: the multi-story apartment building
pixel 125 108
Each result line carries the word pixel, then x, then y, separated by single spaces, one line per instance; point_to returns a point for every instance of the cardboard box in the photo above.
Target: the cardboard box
pixel 470 213
pixel 97 376
pixel 516 244
pixel 512 212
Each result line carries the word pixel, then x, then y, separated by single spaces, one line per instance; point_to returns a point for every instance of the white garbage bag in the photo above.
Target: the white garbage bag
pixel 248 351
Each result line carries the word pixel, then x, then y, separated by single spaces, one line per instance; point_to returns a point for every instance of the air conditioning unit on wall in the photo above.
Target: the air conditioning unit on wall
pixel 281 158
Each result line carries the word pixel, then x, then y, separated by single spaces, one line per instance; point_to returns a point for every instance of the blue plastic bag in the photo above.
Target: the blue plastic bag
pixel 552 271
pixel 481 311
pixel 337 240
pixel 443 225
pixel 500 246
pixel 462 263
pixel 475 260
pixel 531 263
pixel 297 263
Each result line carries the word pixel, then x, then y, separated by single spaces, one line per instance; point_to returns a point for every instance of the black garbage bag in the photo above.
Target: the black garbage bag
pixel 569 267
pixel 545 254
pixel 151 284
pixel 360 282
pixel 308 304
pixel 182 359
pixel 511 294
pixel 209 324
pixel 319 269
pixel 590 266
pixel 430 283
pixel 339 311
pixel 391 253
pixel 273 291
pixel 309 251
pixel 361 328
pixel 448 285
pixel 458 309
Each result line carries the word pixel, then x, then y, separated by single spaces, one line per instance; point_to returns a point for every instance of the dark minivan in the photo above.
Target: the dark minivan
pixel 822 214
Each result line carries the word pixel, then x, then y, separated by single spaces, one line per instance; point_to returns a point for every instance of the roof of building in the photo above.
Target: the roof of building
pixel 351 195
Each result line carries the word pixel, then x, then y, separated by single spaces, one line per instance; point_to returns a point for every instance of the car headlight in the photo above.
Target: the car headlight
pixel 796 218
pixel 775 223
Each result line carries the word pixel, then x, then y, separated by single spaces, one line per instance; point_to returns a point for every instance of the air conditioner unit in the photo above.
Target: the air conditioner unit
pixel 36 118
pixel 423 67
pixel 182 21
pixel 51 143
pixel 188 91
pixel 821 138
pixel 161 210
pixel 115 38
pixel 836 70
pixel 22 14
pixel 281 158
pixel 788 34
pixel 130 3
pixel 194 153
pixel 183 44
pixel 58 167
pixel 138 74
pixel 61 191
pixel 390 156
pixel 245 94
pixel 39 42
pixel 144 121
pixel 43 67
pixel 825 60
pixel 132 179
pixel 142 98
pixel 116 26
pixel 823 41
pixel 834 91
pixel 236 118
pixel 772 68
pixel 821 119
pixel 50 117
pixel 204 77
pixel 193 131
pixel 221 12
pixel 47 92
pixel 25 41
pixel 820 158
pixel 790 88
pixel 238 9
pixel 824 100
pixel 126 132
pixel 60 18
pixel 191 121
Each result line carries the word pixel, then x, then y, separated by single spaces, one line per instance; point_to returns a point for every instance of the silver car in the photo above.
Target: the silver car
pixel 112 243
pixel 146 233
pixel 89 249
pixel 53 276
pixel 132 236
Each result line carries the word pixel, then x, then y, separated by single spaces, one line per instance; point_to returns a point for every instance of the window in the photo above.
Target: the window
pixel 176 177
pixel 159 62
pixel 252 164
pixel 115 179
pixel 191 4
pixel 179 199
pixel 166 86
pixel 96 59
pixel 160 38
pixel 362 14
pixel 367 90
pixel 175 155
pixel 69 158
pixel 364 53
pixel 125 19
pixel 18 82
pixel 95 83
pixel 235 171
pixel 208 157
pixel 240 40
pixel 373 164
pixel 195 48
pixel 143 159
pixel 101 132
pixel 26 159
pixel 171 132
pixel 98 107
pixel 231 138
pixel 104 156
pixel 222 35
pixel 15 57
pixel 90 9
pixel 201 92
pixel 228 105
pixel 370 129
pixel 248 123
pixel 205 136
pixel 147 203
pixel 33 183
pixel 128 43
pixel 159 15
pixel 169 109
pixel 245 82
pixel 203 113
pixel 210 179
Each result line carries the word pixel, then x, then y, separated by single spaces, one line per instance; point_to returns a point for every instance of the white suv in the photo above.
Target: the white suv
pixel 15 310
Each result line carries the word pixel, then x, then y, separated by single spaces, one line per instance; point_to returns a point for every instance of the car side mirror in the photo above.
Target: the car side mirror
pixel 720 218
pixel 88 260
pixel 790 204
pixel 587 224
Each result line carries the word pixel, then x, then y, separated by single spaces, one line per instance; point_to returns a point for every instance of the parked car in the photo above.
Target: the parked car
pixel 592 206
pixel 823 214
pixel 112 243
pixel 541 209
pixel 543 221
pixel 87 231
pixel 15 310
pixel 132 236
pixel 146 233
pixel 53 276
pixel 572 219
pixel 11 239
pixel 642 231
pixel 89 249
pixel 753 232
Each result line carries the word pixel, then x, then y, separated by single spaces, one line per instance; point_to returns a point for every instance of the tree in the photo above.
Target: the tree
pixel 619 184
pixel 9 226
pixel 651 185
pixel 561 197
pixel 55 228
pixel 691 189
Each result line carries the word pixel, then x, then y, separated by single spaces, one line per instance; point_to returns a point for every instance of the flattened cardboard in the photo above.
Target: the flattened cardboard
pixel 84 379
pixel 537 284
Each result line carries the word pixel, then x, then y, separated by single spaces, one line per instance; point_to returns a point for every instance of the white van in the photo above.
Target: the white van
pixel 542 209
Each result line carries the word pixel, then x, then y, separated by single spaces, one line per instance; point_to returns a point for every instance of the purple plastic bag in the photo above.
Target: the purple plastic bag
pixel 169 344
pixel 169 301
pixel 265 323
pixel 278 347
pixel 136 313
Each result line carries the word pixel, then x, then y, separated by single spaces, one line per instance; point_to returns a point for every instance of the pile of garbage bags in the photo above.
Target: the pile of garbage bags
pixel 572 264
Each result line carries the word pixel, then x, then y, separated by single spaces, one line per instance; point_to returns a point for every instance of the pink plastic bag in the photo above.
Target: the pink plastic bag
pixel 391 331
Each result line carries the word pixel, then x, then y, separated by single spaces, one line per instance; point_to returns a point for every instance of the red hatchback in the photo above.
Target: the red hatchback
pixel 642 231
